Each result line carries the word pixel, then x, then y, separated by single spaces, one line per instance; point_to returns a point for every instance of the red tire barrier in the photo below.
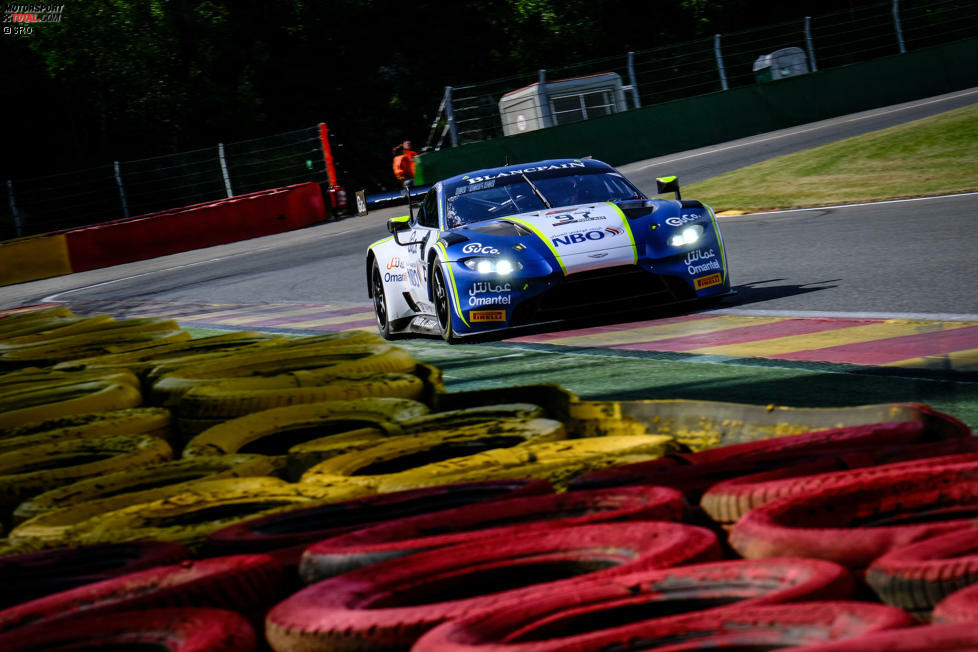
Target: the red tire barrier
pixel 160 630
pixel 693 473
pixel 33 575
pixel 937 638
pixel 499 520
pixel 555 621
pixel 918 576
pixel 742 627
pixel 727 501
pixel 286 535
pixel 392 603
pixel 242 583
pixel 959 607
pixel 855 523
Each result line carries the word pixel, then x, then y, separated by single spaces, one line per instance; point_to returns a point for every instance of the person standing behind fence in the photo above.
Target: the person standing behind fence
pixel 404 161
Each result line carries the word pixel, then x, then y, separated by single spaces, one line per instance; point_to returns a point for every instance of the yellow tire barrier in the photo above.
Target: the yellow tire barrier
pixel 33 378
pixel 131 421
pixel 208 405
pixel 50 514
pixel 556 462
pixel 17 408
pixel 28 472
pixel 189 517
pixel 274 431
pixel 95 328
pixel 317 362
pixel 403 454
pixel 58 329
pixel 15 320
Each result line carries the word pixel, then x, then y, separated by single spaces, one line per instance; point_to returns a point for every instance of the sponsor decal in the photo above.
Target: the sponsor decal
pixel 395 263
pixel 598 255
pixel 577 238
pixel 679 221
pixel 478 248
pixel 494 290
pixel 577 216
pixel 707 281
pixel 706 261
pixel 475 187
pixel 487 315
pixel 484 287
pixel 529 170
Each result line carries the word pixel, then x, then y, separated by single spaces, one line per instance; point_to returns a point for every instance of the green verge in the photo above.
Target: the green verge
pixel 933 156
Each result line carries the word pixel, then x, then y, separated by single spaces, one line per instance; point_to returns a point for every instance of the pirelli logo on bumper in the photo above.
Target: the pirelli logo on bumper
pixel 707 281
pixel 487 315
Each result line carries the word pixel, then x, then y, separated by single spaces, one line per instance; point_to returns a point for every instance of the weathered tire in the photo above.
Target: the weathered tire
pixel 918 576
pixel 139 483
pixel 34 575
pixel 946 638
pixel 286 535
pixel 399 456
pixel 275 431
pixel 32 471
pixel 133 421
pixel 194 629
pixel 499 520
pixel 555 621
pixel 392 603
pixel 207 506
pixel 853 524
pixel 32 379
pixel 18 408
pixel 556 462
pixel 727 501
pixel 740 627
pixel 959 607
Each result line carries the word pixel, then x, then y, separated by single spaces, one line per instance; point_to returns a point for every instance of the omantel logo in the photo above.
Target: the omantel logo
pixel 577 238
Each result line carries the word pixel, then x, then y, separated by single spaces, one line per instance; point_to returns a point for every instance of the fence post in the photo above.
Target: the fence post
pixel 808 43
pixel 450 116
pixel 13 208
pixel 545 114
pixel 897 27
pixel 631 79
pixel 122 190
pixel 719 56
pixel 224 169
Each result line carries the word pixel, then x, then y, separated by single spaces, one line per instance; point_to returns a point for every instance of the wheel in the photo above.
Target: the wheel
pixel 380 303
pixel 443 306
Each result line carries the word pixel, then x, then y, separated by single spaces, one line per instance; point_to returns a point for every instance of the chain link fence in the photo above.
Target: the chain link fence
pixel 472 112
pixel 127 188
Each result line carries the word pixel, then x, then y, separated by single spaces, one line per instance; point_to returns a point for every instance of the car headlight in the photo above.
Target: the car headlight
pixel 688 235
pixel 501 266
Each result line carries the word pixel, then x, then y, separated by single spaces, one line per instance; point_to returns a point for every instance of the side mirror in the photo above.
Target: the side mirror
pixel 396 224
pixel 668 184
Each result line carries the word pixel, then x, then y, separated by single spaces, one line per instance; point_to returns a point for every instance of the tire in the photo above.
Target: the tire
pixel 287 534
pixel 34 575
pixel 411 455
pixel 741 627
pixel 31 471
pixel 138 485
pixel 31 378
pixel 499 520
pixel 443 304
pixel 855 523
pixel 949 638
pixel 190 516
pixel 161 630
pixel 918 576
pixel 19 408
pixel 959 607
pixel 555 621
pixel 729 500
pixel 381 311
pixel 556 462
pixel 131 421
pixel 241 583
pixel 393 603
pixel 270 432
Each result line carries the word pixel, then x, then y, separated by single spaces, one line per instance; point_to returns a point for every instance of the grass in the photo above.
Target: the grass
pixel 933 156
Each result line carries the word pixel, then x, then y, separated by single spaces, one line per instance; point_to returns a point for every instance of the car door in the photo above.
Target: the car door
pixel 424 230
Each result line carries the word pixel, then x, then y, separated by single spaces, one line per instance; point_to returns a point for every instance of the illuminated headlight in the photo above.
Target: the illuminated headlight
pixel 501 266
pixel 689 235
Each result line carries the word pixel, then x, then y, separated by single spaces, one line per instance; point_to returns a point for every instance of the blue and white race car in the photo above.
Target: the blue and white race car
pixel 540 242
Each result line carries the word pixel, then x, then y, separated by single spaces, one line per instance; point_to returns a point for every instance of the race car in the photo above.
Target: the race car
pixel 540 242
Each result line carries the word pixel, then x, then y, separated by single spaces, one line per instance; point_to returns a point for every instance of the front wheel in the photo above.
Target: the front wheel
pixel 443 305
pixel 380 303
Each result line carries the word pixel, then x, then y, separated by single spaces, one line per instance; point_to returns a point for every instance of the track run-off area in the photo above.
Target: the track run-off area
pixel 835 306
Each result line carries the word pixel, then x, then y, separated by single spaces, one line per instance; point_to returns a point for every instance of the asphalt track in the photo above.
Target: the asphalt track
pixel 837 306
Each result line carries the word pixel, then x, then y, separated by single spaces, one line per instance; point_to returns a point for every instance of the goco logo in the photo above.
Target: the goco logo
pixel 679 221
pixel 478 248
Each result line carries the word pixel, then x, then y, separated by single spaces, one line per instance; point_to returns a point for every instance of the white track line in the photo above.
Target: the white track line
pixel 868 203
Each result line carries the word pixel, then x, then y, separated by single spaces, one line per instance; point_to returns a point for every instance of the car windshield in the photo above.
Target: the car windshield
pixel 503 197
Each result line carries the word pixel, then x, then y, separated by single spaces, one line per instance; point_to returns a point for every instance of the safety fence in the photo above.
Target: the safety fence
pixel 472 112
pixel 127 188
